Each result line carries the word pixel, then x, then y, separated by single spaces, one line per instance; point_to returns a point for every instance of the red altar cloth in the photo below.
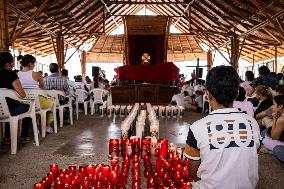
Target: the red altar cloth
pixel 162 72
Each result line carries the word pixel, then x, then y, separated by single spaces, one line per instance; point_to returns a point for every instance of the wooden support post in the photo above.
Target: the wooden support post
pixel 4 37
pixel 275 67
pixel 235 52
pixel 60 51
pixel 209 60
pixel 253 62
pixel 83 64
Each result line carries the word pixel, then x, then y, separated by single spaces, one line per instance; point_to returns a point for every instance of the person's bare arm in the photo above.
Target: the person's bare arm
pixel 18 88
pixel 194 161
pixel 261 115
pixel 250 91
pixel 38 77
pixel 277 128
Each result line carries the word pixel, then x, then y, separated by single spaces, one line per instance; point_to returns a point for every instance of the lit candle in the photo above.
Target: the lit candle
pixel 72 168
pixel 113 163
pixel 54 169
pixel 90 169
pixel 106 171
pixel 38 186
pixel 113 177
pixel 58 184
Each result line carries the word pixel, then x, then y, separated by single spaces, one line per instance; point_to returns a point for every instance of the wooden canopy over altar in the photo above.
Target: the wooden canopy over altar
pixel 251 29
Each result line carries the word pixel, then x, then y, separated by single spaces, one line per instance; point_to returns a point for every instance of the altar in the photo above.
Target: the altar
pixel 152 93
pixel 165 72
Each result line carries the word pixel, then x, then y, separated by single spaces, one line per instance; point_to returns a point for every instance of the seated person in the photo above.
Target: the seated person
pixel 264 95
pixel 56 82
pixel 88 82
pixel 245 106
pixel 79 84
pixel 187 100
pixel 274 136
pixel 34 80
pixel 10 80
pixel 214 146
pixel 178 99
pixel 197 104
pixel 187 87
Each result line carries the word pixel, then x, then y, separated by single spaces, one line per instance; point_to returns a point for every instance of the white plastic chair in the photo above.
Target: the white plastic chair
pixel 56 94
pixel 5 116
pixel 97 98
pixel 34 94
pixel 80 94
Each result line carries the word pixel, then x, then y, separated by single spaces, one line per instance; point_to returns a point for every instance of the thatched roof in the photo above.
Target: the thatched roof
pixel 34 24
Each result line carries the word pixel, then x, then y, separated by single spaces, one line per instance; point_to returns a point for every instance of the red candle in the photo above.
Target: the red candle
pixel 51 176
pixel 90 169
pixel 136 185
pixel 113 177
pixel 53 169
pixel 58 184
pixel 72 168
pixel 113 163
pixel 158 165
pixel 64 171
pixel 38 186
pixel 136 146
pixel 116 169
pixel 106 171
pixel 151 183
pixel 46 181
pixel 67 179
pixel 163 148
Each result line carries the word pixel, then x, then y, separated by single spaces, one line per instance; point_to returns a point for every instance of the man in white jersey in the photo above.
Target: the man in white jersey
pixel 222 147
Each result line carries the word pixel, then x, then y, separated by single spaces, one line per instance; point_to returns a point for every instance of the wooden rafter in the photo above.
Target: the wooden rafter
pixel 29 21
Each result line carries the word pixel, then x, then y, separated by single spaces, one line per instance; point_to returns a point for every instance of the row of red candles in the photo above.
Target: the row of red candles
pixel 173 174
pixel 138 147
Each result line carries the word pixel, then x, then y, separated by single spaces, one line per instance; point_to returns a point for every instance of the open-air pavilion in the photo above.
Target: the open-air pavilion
pixel 251 30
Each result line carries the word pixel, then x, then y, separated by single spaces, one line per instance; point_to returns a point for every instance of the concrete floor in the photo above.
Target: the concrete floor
pixel 87 142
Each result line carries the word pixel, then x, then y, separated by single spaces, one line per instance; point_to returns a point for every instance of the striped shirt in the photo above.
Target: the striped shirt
pixel 55 82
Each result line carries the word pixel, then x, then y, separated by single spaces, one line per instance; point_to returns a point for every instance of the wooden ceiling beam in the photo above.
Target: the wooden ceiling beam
pixel 263 10
pixel 146 2
pixel 29 21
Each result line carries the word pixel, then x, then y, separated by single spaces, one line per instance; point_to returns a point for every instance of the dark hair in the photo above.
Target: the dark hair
pixel 223 83
pixel 273 74
pixel 5 57
pixel 26 59
pixel 106 81
pixel 280 76
pixel 249 75
pixel 64 72
pixel 279 99
pixel 263 70
pixel 53 67
pixel 185 93
pixel 242 94
pixel 280 89
pixel 78 78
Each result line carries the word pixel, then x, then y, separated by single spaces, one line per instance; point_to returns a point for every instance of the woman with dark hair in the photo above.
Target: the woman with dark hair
pixel 264 95
pixel 274 136
pixel 249 78
pixel 10 80
pixel 27 76
pixel 34 80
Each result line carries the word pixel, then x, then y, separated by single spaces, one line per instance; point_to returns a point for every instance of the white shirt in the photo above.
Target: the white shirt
pixel 245 106
pixel 179 99
pixel 229 158
pixel 81 96
pixel 27 81
pixel 187 88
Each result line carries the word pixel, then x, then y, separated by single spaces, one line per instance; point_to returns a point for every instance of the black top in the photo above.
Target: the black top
pixel 7 77
pixel 265 80
pixel 264 105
